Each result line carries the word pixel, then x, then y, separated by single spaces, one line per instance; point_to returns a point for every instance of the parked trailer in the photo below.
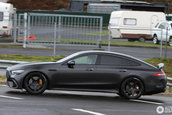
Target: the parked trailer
pixel 134 25
pixel 6 12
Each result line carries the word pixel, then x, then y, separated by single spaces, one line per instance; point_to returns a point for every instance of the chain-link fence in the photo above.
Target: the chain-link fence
pixel 59 29
pixel 157 35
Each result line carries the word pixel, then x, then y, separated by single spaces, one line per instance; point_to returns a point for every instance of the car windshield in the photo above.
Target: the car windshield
pixel 68 57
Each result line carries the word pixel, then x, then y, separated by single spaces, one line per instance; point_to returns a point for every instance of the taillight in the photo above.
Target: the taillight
pixel 159 74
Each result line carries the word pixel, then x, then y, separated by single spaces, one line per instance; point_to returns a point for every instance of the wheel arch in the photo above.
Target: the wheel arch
pixel 37 72
pixel 133 76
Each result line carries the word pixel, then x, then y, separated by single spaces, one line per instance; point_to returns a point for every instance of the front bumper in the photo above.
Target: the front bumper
pixel 13 82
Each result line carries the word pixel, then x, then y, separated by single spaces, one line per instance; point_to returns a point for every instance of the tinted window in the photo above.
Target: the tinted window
pixel 117 61
pixel 1 16
pixel 89 59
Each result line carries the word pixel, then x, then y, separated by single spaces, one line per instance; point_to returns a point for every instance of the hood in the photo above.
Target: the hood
pixel 31 65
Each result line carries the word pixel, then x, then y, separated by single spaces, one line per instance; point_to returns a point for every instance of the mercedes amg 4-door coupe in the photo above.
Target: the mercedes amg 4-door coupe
pixel 101 71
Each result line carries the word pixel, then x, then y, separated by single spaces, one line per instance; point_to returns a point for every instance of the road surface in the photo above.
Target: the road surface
pixel 58 102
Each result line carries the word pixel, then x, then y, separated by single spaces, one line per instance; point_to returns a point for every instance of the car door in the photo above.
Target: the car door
pixel 80 74
pixel 112 69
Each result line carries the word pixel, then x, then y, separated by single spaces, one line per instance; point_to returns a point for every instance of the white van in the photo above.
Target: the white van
pixel 6 12
pixel 134 25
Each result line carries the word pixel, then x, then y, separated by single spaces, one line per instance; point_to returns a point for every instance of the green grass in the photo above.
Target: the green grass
pixel 168 64
pixel 30 58
pixel 104 33
pixel 10 46
pixel 2 79
pixel 113 43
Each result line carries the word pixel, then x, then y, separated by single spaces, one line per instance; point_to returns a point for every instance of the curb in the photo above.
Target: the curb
pixel 112 45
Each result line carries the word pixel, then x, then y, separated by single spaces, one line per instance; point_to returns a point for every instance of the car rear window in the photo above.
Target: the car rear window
pixel 117 61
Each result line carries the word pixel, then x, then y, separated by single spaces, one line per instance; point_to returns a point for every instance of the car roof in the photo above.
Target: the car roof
pixel 117 53
pixel 166 22
pixel 106 52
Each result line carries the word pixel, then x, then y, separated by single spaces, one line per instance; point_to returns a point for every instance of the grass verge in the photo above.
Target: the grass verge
pixel 30 58
pixel 2 79
pixel 168 64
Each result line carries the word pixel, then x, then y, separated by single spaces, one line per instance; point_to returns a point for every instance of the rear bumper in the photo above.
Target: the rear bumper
pixel 157 85
pixel 13 82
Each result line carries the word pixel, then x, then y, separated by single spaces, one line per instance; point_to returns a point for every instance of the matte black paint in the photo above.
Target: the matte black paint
pixel 91 77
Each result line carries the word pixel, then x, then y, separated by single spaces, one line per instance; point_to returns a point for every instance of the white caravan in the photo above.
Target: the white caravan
pixel 134 25
pixel 6 12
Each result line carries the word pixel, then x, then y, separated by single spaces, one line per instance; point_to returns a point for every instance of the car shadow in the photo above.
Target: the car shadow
pixel 89 96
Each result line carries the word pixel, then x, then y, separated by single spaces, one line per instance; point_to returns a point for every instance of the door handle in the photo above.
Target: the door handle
pixel 124 70
pixel 90 69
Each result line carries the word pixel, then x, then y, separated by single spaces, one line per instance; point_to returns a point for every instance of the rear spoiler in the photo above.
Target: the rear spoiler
pixel 160 65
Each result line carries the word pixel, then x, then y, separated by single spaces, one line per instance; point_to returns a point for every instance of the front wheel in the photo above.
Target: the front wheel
pixel 132 88
pixel 35 83
pixel 155 39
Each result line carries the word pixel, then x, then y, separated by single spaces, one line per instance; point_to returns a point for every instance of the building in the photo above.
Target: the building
pixel 107 6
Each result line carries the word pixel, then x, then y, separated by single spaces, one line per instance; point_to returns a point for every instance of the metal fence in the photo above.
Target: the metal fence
pixel 58 29
pixel 142 34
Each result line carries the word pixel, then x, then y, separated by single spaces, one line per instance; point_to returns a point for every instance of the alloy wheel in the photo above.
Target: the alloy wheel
pixel 132 88
pixel 35 83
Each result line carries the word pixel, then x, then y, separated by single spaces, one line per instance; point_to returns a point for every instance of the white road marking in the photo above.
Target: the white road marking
pixel 9 97
pixel 87 111
pixel 149 102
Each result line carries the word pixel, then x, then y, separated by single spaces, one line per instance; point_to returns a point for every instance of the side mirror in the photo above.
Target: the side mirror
pixel 160 65
pixel 71 63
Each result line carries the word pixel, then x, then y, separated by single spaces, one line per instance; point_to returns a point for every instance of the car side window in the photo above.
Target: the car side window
pixel 162 26
pixel 117 61
pixel 89 59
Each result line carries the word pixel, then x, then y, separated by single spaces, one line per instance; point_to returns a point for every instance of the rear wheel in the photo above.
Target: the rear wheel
pixel 155 39
pixel 141 39
pixel 35 83
pixel 132 88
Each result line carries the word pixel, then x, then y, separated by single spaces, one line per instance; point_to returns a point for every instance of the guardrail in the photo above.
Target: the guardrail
pixel 7 63
pixel 169 83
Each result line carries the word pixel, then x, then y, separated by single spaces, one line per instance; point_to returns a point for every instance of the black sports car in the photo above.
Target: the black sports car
pixel 104 71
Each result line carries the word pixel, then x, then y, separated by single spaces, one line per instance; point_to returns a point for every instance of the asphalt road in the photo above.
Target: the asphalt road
pixel 141 53
pixel 17 102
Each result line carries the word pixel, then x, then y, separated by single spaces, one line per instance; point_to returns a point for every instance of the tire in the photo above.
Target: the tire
pixel 170 41
pixel 35 83
pixel 132 88
pixel 141 39
pixel 155 39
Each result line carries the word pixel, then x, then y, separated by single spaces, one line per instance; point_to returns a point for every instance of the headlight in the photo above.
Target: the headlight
pixel 17 72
